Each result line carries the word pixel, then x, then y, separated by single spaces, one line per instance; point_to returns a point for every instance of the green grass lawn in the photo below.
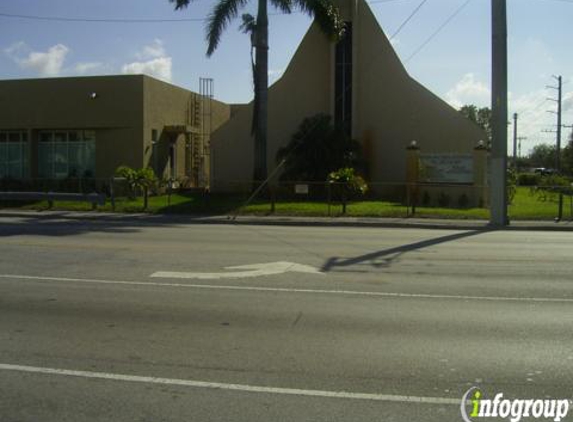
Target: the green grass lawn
pixel 526 206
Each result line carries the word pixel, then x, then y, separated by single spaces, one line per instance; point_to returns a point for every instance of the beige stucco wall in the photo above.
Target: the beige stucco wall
pixel 168 105
pixel 123 113
pixel 303 90
pixel 65 103
pixel 390 109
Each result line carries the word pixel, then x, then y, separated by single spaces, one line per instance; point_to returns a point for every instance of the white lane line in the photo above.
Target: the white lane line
pixel 232 387
pixel 290 290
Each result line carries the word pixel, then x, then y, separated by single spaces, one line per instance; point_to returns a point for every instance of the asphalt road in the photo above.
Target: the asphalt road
pixel 397 326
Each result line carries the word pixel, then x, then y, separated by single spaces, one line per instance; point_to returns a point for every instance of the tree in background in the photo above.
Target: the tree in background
pixel 317 149
pixel 567 156
pixel 323 11
pixel 480 116
pixel 542 155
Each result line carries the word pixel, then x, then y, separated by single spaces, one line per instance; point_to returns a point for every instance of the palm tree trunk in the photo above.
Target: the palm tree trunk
pixel 261 92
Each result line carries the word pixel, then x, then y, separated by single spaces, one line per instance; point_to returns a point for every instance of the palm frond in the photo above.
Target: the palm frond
pixel 180 4
pixel 223 13
pixel 326 15
pixel 284 6
pixel 249 24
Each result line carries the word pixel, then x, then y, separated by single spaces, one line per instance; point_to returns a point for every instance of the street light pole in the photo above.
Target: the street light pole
pixel 558 149
pixel 515 116
pixel 498 212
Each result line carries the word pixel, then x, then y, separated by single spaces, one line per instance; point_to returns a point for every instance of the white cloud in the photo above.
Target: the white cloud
pixel 469 91
pixel 87 68
pixel 153 61
pixel 48 63
pixel 152 51
pixel 15 49
pixel 159 68
pixel 568 101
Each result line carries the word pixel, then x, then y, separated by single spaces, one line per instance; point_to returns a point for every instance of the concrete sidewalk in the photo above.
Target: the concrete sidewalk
pixel 430 223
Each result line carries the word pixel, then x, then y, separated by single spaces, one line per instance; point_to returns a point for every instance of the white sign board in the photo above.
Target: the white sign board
pixel 301 189
pixel 446 168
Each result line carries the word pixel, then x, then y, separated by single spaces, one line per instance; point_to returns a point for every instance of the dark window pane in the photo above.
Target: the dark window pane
pixel 343 81
pixel 60 136
pixel 74 136
pixel 46 136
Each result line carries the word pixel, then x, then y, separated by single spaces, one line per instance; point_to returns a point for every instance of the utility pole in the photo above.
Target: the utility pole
pixel 559 99
pixel 498 212
pixel 515 116
pixel 519 139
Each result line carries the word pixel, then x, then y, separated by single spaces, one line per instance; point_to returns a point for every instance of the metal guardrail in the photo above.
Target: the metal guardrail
pixel 93 198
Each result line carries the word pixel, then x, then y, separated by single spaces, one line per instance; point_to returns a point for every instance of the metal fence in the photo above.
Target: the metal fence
pixel 324 198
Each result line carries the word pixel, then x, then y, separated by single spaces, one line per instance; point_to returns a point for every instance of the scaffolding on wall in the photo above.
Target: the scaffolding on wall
pixel 201 140
pixel 198 135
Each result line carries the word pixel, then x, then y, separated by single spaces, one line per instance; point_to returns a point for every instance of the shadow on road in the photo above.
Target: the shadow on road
pixel 386 257
pixel 58 225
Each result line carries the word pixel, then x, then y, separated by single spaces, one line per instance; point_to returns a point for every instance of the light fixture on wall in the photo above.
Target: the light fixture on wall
pixel 93 95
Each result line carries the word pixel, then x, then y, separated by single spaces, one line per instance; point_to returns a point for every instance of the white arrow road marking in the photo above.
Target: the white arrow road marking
pixel 246 271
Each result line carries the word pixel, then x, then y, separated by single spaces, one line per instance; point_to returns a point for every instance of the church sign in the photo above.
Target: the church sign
pixel 446 168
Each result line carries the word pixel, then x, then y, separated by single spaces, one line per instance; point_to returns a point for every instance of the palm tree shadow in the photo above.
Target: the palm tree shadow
pixel 385 258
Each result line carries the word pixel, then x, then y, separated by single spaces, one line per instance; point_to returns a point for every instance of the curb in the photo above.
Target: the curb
pixel 365 222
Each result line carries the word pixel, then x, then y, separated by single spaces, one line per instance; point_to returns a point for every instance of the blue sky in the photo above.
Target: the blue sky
pixel 455 64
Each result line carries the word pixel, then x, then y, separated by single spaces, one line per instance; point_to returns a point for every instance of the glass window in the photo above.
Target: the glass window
pixel 60 136
pixel 74 136
pixel 46 136
pixel 64 154
pixel 13 154
pixel 89 135
pixel 343 81
pixel 13 136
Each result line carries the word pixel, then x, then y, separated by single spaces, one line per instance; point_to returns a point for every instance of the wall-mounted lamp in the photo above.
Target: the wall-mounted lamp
pixel 481 145
pixel 413 145
pixel 93 95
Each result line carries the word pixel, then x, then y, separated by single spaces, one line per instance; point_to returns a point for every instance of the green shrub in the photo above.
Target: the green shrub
pixel 511 185
pixel 352 181
pixel 553 184
pixel 443 200
pixel 143 178
pixel 528 179
pixel 463 201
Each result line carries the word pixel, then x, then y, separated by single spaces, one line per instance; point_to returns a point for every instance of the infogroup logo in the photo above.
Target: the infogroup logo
pixel 513 410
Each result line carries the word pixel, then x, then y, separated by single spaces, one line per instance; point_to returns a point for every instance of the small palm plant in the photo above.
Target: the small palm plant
pixel 143 179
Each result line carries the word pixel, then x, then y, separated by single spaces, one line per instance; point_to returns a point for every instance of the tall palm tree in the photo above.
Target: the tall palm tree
pixel 324 12
pixel 249 27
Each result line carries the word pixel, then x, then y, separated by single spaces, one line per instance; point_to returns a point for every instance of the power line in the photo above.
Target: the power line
pixel 532 109
pixel 431 37
pixel 407 20
pixel 95 20
pixel 130 20
pixel 562 1
pixel 171 20
pixel 104 20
